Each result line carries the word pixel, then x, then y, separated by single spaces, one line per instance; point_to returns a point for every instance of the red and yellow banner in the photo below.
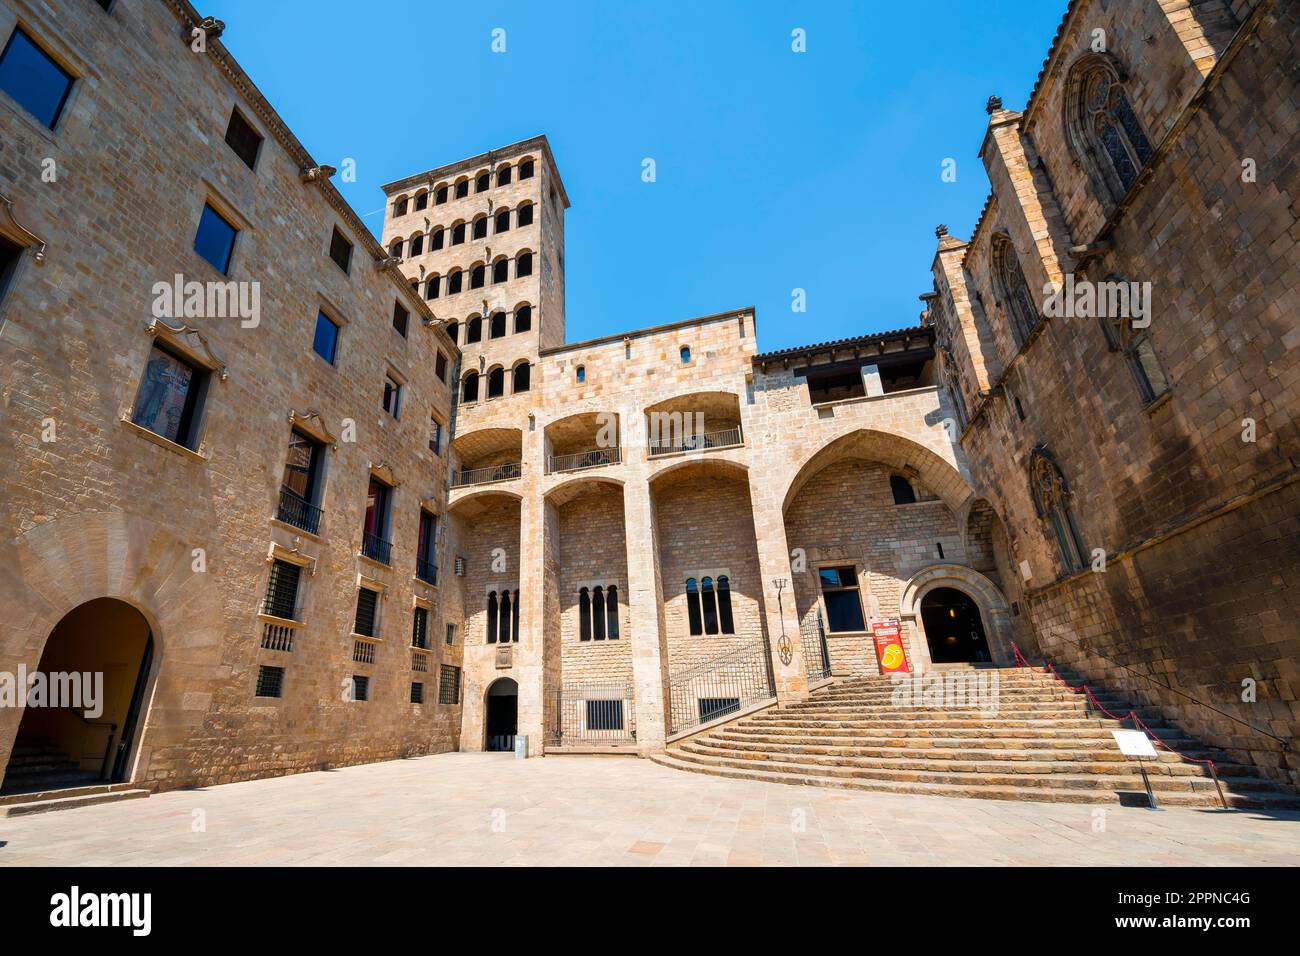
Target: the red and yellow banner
pixel 889 646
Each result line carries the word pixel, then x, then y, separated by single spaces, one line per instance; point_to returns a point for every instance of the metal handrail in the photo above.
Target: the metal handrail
pixel 590 458
pixel 477 476
pixel 726 438
pixel 426 571
pixel 296 510
pixel 743 674
pixel 816 652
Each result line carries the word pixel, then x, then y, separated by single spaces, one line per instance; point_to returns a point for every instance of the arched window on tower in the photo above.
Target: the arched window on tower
pixel 417 244
pixel 598 613
pixel 437 238
pixel 455 280
pixel 399 207
pixel 500 270
pixel 458 234
pixel 492 617
pixel 1101 127
pixel 469 388
pixel 474 330
pixel 1013 291
pixel 693 617
pixel 502 223
pixel 584 614
pixel 524 215
pixel 476 276
pixel 1052 501
pixel 496 382
pixel 453 332
pixel 503 175
pixel 482 182
pixel 440 195
pixel 395 248
pixel 904 493
pixel 523 318
pixel 422 201
pixel 522 378
pixel 709 606
pixel 480 227
pixel 526 169
pixel 433 287
pixel 524 264
pixel 497 325
pixel 725 622
pixel 611 613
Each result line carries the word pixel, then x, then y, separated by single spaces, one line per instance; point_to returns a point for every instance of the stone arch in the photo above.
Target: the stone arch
pixel 58 566
pixel 988 597
pixel 569 489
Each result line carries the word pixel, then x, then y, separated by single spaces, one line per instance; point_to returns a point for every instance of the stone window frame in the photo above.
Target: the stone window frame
pixel 860 575
pixel 65 59
pixel 714 575
pixel 1122 337
pixel 587 590
pixel 278 552
pixel 1052 499
pixel 1078 115
pixel 190 345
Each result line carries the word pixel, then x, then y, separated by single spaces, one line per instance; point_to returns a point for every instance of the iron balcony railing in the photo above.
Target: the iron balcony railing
pixel 816 653
pixel 376 548
pixel 727 684
pixel 591 458
pixel 286 609
pixel 727 438
pixel 298 511
pixel 594 712
pixel 426 570
pixel 477 476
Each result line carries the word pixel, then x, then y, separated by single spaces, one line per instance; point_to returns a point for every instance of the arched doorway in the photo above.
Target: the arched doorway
pixel 80 729
pixel 954 629
pixel 502 715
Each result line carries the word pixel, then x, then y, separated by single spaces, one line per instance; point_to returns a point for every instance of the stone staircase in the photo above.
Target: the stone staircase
pixel 1041 742
pixel 40 778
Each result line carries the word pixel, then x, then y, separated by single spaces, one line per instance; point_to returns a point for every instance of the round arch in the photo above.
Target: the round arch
pixel 501 714
pixel 994 611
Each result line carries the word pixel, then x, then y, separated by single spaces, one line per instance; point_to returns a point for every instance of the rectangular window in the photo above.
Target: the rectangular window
pixel 843 604
pixel 440 367
pixel 401 318
pixel 451 634
pixel 392 395
pixel 435 436
pixel 215 239
pixel 425 567
pixel 341 250
pixel 360 687
pixel 270 681
pixel 448 684
pixel 367 612
pixel 282 591
pixel 417 693
pixel 374 542
pixel 300 483
pixel 36 82
pixel 420 628
pixel 604 715
pixel 835 386
pixel 171 397
pixel 243 139
pixel 711 708
pixel 326 341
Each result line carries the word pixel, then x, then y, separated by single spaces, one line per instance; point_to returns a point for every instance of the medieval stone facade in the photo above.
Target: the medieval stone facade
pixel 397 512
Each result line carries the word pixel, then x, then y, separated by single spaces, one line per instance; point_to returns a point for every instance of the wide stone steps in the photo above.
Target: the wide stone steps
pixel 792 774
pixel 1040 741
pixel 68 798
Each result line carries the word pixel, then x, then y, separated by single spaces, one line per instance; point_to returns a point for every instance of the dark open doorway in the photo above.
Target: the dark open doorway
pixel 502 715
pixel 94 668
pixel 953 628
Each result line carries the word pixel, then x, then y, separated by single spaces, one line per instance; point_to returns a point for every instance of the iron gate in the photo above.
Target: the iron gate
pixel 594 713
pixel 816 654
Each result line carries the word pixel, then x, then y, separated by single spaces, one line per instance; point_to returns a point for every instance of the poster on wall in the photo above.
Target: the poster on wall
pixel 889 646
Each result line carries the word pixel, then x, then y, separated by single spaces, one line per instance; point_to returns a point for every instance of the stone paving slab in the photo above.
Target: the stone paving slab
pixel 490 809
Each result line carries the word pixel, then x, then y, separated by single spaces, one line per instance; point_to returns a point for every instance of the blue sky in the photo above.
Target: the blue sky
pixel 775 170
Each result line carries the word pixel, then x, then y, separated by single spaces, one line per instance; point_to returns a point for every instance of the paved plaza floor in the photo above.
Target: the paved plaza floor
pixel 490 809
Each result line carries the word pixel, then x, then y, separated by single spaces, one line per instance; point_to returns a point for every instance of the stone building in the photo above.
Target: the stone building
pixel 401 513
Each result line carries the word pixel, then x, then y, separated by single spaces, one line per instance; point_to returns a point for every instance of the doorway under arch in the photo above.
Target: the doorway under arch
pixel 502 715
pixel 99 657
pixel 954 629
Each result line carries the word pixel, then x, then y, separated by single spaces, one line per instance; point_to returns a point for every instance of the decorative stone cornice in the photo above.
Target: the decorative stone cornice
pixel 191 340
pixel 35 242
pixel 314 422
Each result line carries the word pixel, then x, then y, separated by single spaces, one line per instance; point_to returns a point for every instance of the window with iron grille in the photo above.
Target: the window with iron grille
pixel 448 684
pixel 714 707
pixel 604 715
pixel 360 687
pixel 367 612
pixel 282 590
pixel 417 693
pixel 270 681
pixel 243 139
pixel 420 628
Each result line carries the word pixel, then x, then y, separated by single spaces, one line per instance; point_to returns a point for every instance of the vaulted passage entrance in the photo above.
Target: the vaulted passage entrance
pixel 502 715
pixel 93 672
pixel 953 628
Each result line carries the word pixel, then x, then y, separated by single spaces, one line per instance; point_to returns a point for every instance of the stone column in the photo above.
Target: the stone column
pixel 779 610
pixel 530 653
pixel 645 595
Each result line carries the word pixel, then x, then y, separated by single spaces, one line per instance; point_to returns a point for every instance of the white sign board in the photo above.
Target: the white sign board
pixel 1134 743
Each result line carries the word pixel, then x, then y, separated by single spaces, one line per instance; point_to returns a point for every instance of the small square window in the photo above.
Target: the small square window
pixel 440 367
pixel 327 337
pixel 243 139
pixel 171 397
pixel 33 79
pixel 215 239
pixel 270 681
pixel 451 634
pixel 435 436
pixel 341 250
pixel 401 318
pixel 360 687
pixel 392 395
pixel 417 693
